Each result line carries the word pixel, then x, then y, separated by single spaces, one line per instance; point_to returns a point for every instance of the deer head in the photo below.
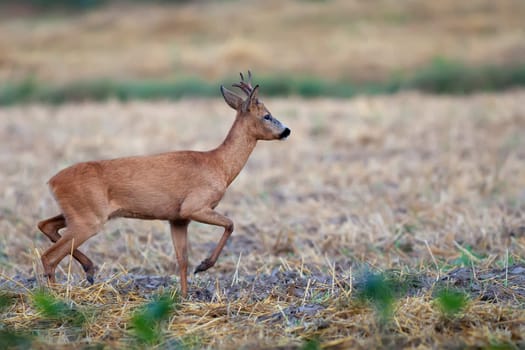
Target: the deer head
pixel 260 122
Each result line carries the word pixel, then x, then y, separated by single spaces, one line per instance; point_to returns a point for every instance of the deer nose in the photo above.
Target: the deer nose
pixel 285 134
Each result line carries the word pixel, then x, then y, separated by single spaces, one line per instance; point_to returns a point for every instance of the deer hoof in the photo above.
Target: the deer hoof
pixel 204 265
pixel 90 270
pixel 49 278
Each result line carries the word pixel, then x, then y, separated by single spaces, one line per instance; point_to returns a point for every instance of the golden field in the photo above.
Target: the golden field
pixel 337 39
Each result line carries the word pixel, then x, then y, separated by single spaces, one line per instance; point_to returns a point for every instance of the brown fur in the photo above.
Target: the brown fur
pixel 176 186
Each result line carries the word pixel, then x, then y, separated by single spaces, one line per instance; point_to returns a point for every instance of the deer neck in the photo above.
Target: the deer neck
pixel 235 150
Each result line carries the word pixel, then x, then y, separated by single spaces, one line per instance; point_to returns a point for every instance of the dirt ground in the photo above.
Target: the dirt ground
pixel 429 189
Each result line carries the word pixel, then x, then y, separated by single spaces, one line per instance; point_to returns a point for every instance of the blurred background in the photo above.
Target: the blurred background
pixel 59 50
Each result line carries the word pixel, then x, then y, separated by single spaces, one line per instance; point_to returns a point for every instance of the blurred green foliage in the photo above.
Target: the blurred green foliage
pixel 311 344
pixel 379 290
pixel 495 345
pixel 447 76
pixel 11 339
pixel 55 309
pixel 75 4
pixel 451 302
pixel 382 289
pixel 441 76
pixel 146 322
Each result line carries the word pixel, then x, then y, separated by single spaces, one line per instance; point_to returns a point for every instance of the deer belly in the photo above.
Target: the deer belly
pixel 153 205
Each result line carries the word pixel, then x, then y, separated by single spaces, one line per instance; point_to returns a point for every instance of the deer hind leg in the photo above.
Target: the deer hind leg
pixel 179 235
pixel 75 234
pixel 209 216
pixel 50 228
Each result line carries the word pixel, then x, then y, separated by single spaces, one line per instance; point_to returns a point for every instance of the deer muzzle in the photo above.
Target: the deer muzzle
pixel 286 132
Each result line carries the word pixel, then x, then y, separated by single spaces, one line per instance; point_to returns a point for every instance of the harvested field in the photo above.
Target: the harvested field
pixel 429 191
pixel 363 40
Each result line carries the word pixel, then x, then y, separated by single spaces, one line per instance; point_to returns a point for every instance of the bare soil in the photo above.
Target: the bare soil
pixel 506 285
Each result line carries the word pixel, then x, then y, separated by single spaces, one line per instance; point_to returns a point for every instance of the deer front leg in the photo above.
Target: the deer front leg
pixel 179 235
pixel 211 217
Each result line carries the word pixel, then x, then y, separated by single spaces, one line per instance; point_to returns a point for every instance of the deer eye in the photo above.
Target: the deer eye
pixel 267 117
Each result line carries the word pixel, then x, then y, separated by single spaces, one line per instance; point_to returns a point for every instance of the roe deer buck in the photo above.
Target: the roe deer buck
pixel 176 186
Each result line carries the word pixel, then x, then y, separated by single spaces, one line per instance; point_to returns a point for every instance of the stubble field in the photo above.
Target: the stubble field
pixel 338 39
pixel 428 192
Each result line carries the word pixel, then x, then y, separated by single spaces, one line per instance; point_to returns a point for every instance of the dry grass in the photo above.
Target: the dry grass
pixel 333 39
pixel 408 183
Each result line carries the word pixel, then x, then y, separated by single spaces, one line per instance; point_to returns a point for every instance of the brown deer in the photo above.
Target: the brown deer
pixel 177 186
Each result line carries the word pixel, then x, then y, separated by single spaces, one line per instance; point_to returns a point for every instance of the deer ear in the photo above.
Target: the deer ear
pixel 232 99
pixel 252 99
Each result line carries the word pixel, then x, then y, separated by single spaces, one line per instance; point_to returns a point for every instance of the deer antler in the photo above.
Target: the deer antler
pixel 245 85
